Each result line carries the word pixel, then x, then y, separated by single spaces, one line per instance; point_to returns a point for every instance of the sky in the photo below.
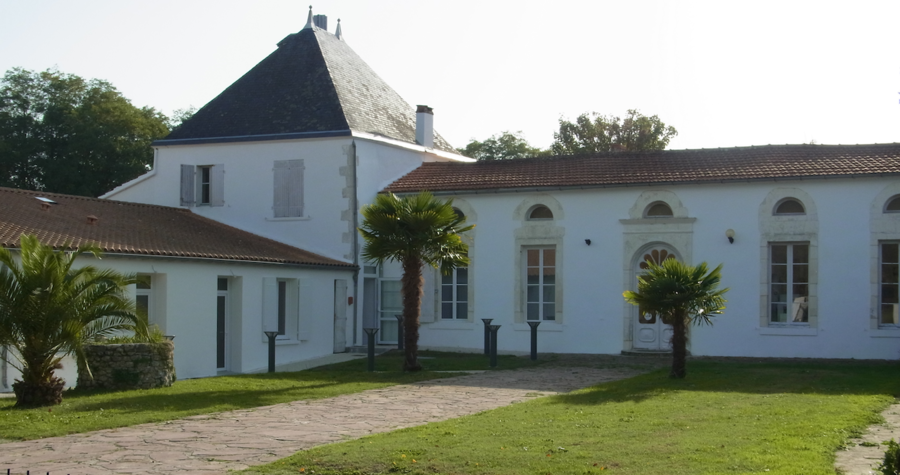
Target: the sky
pixel 724 74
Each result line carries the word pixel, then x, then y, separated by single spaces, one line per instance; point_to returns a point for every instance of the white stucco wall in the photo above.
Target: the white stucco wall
pixel 594 317
pixel 184 305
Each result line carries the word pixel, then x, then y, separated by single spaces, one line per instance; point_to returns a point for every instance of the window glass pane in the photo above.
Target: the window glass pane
pixel 779 313
pixel 549 293
pixel 142 304
pixel 388 329
pixel 447 293
pixel 889 252
pixel 533 277
pixel 534 257
pixel 390 295
pixel 779 254
pixel 282 307
pixel 801 273
pixel 370 269
pixel 549 279
pixel 893 205
pixel 799 312
pixel 462 310
pixel 447 278
pixel 790 207
pixel 889 294
pixel 889 273
pixel 462 275
pixel 659 209
pixel 534 293
pixel 779 274
pixel 801 253
pixel 462 293
pixel 800 291
pixel 222 284
pixel 541 212
pixel 446 310
pixel 532 311
pixel 549 257
pixel 143 281
pixel 889 314
pixel 549 311
pixel 779 293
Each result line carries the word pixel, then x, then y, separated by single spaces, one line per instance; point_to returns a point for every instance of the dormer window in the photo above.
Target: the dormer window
pixel 658 210
pixel 540 212
pixel 789 207
pixel 893 205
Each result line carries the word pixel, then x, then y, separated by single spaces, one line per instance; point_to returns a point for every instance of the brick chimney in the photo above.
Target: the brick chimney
pixel 425 126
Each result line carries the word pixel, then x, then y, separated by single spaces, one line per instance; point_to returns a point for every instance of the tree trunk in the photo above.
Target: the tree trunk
pixel 679 348
pixel 412 283
pixel 39 393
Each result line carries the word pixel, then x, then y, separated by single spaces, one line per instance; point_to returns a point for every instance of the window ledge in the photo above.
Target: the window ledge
pixel 545 326
pixel 789 331
pixel 885 333
pixel 296 218
pixel 452 325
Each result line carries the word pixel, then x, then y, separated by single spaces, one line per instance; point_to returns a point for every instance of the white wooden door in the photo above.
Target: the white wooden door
pixel 340 316
pixel 650 333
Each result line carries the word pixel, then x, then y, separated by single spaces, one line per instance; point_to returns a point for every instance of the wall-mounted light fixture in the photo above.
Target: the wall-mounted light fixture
pixel 587 241
pixel 729 233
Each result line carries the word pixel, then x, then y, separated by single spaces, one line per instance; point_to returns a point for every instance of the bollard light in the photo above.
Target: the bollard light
pixel 487 335
pixel 271 336
pixel 370 336
pixel 494 329
pixel 533 326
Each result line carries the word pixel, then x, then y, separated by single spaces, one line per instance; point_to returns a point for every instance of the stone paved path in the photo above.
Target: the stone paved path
pixel 862 460
pixel 215 443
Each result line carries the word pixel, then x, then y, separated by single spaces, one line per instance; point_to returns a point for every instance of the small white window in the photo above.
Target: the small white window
pixel 455 294
pixel 658 210
pixel 889 281
pixel 892 205
pixel 788 207
pixel 540 212
pixel 789 283
pixel 203 185
pixel 540 284
pixel 288 188
pixel 280 307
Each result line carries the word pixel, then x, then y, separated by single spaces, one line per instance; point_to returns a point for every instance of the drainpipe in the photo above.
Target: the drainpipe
pixel 4 381
pixel 354 206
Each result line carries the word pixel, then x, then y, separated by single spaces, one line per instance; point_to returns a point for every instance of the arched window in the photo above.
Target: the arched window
pixel 893 205
pixel 658 210
pixel 459 214
pixel 540 212
pixel 789 206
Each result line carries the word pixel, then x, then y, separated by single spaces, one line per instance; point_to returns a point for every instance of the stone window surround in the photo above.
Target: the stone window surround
pixel 884 226
pixel 439 323
pixel 793 228
pixel 538 233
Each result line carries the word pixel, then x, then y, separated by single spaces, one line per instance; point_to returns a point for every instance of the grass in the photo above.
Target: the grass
pixel 725 418
pixel 83 411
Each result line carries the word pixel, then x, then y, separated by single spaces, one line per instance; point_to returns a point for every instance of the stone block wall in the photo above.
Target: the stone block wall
pixel 129 366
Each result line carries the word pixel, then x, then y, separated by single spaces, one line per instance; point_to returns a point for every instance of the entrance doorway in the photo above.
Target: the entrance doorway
pixel 650 333
pixel 222 324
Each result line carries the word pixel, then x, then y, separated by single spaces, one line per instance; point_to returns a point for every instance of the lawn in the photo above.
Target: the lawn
pixel 726 417
pixel 83 411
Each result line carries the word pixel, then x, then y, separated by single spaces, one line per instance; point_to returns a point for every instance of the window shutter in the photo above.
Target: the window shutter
pixel 295 191
pixel 429 296
pixel 270 304
pixel 187 185
pixel 217 185
pixel 307 300
pixel 281 189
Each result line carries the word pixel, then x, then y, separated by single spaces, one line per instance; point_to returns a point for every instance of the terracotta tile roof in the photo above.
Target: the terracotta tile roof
pixel 131 228
pixel 655 168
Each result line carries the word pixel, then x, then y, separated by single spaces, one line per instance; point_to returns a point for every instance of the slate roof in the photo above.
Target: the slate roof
pixel 132 228
pixel 716 165
pixel 312 84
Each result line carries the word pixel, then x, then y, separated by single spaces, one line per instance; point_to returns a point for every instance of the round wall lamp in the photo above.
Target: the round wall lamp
pixel 730 235
pixel 587 241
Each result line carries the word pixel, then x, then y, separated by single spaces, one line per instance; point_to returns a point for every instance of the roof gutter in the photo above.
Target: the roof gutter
pixel 253 138
pixel 533 189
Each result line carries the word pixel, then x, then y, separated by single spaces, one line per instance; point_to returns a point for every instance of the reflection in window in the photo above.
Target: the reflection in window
pixel 789 206
pixel 142 296
pixel 540 284
pixel 540 212
pixel 789 283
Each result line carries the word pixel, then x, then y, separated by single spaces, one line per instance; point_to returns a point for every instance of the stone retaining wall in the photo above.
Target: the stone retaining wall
pixel 129 366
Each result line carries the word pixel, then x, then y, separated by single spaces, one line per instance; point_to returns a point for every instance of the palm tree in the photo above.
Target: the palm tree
pixel 414 230
pixel 680 294
pixel 49 310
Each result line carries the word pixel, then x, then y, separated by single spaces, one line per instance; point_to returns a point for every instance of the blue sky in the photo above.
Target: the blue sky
pixel 723 73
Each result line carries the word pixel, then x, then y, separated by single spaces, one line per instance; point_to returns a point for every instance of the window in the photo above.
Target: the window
pixel 288 189
pixel 142 299
pixel 282 307
pixel 540 284
pixel 203 185
pixel 659 210
pixel 789 206
pixel 455 294
pixel 540 212
pixel 893 205
pixel 281 310
pixel 889 297
pixel 789 283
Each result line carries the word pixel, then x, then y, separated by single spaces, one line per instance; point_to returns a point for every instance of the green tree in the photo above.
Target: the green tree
pixel 593 133
pixel 413 230
pixel 504 146
pixel 61 133
pixel 680 294
pixel 49 310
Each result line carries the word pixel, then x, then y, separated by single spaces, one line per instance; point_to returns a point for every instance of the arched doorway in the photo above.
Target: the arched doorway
pixel 650 333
